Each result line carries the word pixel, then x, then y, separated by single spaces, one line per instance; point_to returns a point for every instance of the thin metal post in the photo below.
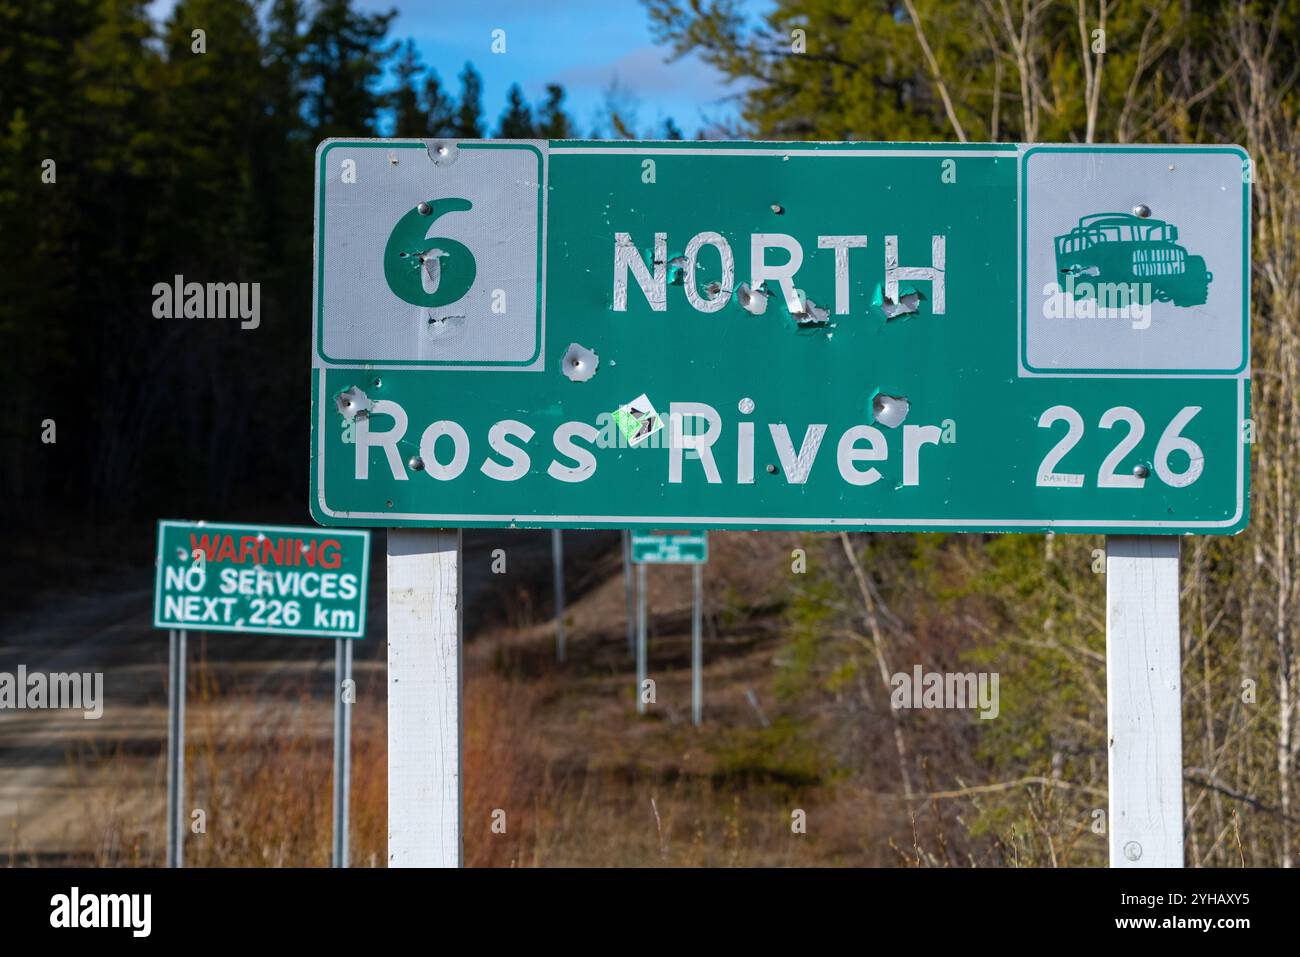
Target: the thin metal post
pixel 640 639
pixel 425 741
pixel 557 561
pixel 697 646
pixel 1143 702
pixel 343 692
pixel 630 591
pixel 176 678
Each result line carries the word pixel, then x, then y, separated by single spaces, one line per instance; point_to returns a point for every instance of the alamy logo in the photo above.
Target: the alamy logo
pixel 37 690
pixel 179 299
pixel 75 909
pixel 424 270
pixel 933 689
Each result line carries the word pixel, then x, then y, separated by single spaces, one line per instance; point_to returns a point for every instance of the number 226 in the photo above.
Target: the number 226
pixel 1171 440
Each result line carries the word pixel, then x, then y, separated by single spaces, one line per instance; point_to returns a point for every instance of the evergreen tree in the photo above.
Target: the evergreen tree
pixel 41 112
pixel 438 107
pixel 409 117
pixel 345 58
pixel 552 122
pixel 469 118
pixel 517 120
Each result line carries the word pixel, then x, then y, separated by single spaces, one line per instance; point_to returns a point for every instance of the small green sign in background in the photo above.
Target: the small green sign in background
pixel 689 547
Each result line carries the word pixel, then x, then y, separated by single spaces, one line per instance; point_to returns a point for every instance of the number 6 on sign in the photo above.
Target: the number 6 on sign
pixel 1171 440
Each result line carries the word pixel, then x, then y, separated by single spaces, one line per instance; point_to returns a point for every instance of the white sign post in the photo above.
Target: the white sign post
pixel 1143 702
pixel 424 698
pixel 629 592
pixel 697 646
pixel 640 639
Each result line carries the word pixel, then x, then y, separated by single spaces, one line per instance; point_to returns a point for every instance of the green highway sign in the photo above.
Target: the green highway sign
pixel 266 579
pixel 910 336
pixel 690 547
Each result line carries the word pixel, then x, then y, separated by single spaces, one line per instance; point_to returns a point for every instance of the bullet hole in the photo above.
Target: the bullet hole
pixel 352 403
pixel 778 209
pixel 889 410
pixel 441 152
pixel 1077 270
pixel 810 313
pixel 908 303
pixel 746 405
pixel 445 327
pixel 579 363
pixel 752 300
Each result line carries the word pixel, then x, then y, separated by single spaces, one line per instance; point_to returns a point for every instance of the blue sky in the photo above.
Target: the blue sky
pixel 587 45
pixel 584 44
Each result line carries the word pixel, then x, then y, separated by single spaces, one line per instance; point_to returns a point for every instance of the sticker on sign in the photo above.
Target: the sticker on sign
pixel 905 336
pixel 268 579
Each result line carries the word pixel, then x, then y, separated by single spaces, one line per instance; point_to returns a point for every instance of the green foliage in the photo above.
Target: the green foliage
pixel 811 612
pixel 779 753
